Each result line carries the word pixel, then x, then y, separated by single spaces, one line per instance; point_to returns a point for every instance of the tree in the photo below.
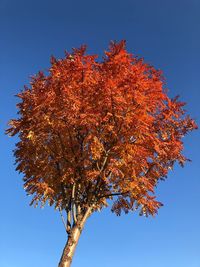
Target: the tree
pixel 95 131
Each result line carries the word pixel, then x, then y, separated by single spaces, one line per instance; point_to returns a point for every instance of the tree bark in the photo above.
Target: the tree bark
pixel 72 241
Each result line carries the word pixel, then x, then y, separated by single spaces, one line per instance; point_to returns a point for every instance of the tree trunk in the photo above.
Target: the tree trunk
pixel 72 241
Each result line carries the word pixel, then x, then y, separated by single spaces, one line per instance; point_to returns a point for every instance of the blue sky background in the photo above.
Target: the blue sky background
pixel 167 35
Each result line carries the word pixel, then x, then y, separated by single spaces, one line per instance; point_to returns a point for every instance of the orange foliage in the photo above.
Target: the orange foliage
pixel 91 131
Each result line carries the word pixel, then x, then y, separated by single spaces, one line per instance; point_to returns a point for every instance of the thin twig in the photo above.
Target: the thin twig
pixel 114 194
pixel 63 219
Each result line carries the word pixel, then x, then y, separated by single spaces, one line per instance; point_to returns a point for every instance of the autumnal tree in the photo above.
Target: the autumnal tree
pixel 95 131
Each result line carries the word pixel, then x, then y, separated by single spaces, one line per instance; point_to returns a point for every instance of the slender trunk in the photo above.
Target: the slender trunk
pixel 72 241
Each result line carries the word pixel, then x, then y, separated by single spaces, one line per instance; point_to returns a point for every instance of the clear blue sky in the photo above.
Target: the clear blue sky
pixel 167 35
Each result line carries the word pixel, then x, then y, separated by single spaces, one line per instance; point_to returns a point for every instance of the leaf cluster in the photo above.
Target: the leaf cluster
pixel 95 131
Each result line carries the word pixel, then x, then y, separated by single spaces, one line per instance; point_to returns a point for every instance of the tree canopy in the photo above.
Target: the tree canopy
pixel 92 131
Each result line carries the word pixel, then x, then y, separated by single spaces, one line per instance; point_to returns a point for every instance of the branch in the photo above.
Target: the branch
pixel 98 187
pixel 114 194
pixel 63 220
pixel 102 166
pixel 73 204
pixel 95 188
pixel 78 211
pixel 68 220
pixel 78 207
pixel 149 169
pixel 105 160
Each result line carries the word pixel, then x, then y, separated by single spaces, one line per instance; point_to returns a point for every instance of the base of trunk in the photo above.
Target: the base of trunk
pixel 70 247
pixel 72 241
